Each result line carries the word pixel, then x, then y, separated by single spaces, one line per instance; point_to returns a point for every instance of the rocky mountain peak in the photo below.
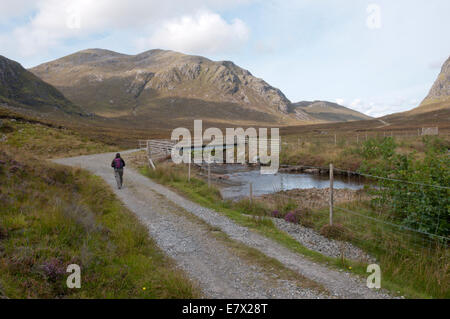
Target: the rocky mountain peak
pixel 441 87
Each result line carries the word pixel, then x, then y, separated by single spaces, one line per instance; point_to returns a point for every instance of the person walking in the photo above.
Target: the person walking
pixel 118 164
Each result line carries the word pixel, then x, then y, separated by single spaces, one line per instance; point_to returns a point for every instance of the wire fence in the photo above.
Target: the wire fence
pixel 367 216
pixel 345 138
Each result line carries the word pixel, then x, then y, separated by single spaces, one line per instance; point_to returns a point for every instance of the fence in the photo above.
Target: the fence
pixel 430 131
pixel 367 217
pixel 358 137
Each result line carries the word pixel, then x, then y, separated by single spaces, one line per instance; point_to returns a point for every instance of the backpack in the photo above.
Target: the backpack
pixel 118 163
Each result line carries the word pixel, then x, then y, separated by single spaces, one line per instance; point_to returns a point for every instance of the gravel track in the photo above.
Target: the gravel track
pixel 328 247
pixel 219 272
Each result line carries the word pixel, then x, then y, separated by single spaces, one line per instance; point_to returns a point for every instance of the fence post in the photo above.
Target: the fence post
pixel 152 165
pixel 251 192
pixel 335 140
pixel 189 169
pixel 209 174
pixel 331 194
pixel 357 138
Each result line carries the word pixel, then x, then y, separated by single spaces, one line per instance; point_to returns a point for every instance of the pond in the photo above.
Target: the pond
pixel 239 180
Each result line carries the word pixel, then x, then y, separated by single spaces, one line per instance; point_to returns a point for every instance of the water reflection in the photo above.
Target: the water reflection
pixel 266 184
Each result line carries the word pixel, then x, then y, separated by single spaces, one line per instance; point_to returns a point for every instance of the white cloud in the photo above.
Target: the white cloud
pixel 355 103
pixel 203 33
pixel 54 21
pixel 12 9
pixel 340 101
pixel 378 107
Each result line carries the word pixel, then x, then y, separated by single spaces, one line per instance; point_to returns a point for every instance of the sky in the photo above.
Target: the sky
pixel 377 57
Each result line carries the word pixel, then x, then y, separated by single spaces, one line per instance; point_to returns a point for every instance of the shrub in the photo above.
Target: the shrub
pixel 374 148
pixel 292 217
pixel 53 269
pixel 335 231
pixel 304 217
pixel 413 203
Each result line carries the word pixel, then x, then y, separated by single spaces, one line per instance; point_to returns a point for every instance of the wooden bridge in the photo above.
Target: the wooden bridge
pixel 164 146
pixel 161 148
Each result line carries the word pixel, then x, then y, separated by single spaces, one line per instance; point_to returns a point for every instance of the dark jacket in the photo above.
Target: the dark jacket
pixel 114 164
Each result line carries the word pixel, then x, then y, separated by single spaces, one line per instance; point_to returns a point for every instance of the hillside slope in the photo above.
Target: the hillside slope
pixel 53 216
pixel 21 88
pixel 327 111
pixel 164 84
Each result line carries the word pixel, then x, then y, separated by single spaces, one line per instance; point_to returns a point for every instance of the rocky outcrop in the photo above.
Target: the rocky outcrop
pixel 139 83
pixel 441 87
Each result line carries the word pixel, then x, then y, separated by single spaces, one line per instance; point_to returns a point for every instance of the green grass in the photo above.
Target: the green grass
pixel 50 142
pixel 51 216
pixel 198 191
pixel 414 276
pixel 320 151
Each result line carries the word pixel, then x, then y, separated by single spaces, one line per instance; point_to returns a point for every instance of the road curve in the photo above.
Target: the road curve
pixel 208 261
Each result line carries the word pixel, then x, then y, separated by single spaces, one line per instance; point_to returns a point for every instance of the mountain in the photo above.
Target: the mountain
pixel 164 84
pixel 434 109
pixel 22 89
pixel 326 111
pixel 439 95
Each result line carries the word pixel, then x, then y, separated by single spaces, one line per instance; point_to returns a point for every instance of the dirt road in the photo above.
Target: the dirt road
pixel 185 231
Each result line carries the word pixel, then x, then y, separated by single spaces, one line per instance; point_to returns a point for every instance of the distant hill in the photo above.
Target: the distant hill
pixel 164 84
pixel 22 89
pixel 326 111
pixel 171 87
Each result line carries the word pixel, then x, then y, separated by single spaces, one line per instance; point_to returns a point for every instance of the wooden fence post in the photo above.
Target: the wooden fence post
pixel 209 174
pixel 251 192
pixel 331 194
pixel 335 139
pixel 152 165
pixel 189 169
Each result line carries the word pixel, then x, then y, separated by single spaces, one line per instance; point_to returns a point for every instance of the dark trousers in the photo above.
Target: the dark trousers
pixel 118 173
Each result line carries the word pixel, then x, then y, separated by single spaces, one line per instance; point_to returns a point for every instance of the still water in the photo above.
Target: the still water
pixel 266 184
